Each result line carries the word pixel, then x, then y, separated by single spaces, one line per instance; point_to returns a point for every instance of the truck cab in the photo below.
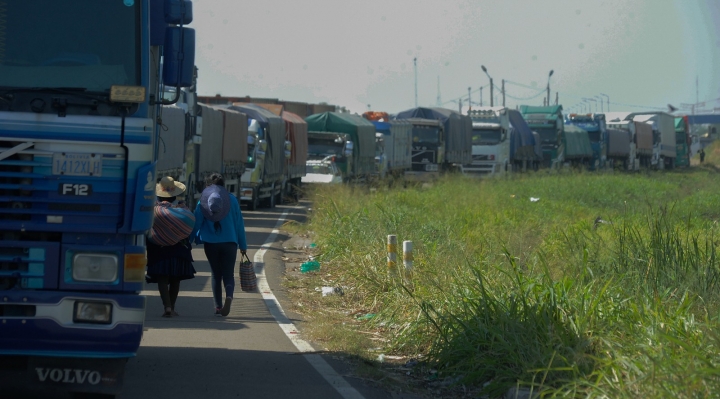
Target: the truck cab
pixel 252 176
pixel 428 148
pixel 664 137
pixel 322 171
pixel 595 126
pixel 490 143
pixel 81 85
pixel 322 145
pixel 548 123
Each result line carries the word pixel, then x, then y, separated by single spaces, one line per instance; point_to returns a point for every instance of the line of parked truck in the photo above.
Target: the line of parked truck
pixel 267 152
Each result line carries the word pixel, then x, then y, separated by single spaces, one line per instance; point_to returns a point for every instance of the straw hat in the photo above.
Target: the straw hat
pixel 168 187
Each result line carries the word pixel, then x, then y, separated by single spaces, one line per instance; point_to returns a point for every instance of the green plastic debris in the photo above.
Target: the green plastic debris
pixel 366 316
pixel 310 266
pixel 313 245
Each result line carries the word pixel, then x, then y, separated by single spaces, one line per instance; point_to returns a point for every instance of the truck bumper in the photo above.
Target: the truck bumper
pixel 57 323
pixel 20 374
pixel 48 340
pixel 481 169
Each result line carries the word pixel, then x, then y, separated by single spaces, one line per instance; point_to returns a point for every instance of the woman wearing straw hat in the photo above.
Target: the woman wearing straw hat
pixel 220 227
pixel 169 251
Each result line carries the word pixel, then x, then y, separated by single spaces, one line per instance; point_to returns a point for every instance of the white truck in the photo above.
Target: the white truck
pixel 262 181
pixel 664 144
pixel 490 142
pixel 197 140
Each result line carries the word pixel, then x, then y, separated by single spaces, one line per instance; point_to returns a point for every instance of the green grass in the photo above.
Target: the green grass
pixel 509 292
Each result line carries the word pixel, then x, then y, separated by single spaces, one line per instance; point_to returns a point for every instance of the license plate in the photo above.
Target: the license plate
pixel 69 164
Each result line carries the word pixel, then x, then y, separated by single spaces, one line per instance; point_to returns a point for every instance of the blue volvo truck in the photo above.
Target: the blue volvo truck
pixel 80 93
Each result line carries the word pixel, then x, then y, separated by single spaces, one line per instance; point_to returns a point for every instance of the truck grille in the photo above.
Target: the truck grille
pixel 30 199
pixel 24 265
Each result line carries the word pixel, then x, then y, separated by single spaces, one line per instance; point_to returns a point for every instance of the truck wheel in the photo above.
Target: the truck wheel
pixel 271 200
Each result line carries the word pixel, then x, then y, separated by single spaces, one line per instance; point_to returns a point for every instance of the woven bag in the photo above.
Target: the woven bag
pixel 248 279
pixel 172 224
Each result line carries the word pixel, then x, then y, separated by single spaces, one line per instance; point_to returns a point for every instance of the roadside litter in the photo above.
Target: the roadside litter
pixel 533 199
pixel 310 266
pixel 326 291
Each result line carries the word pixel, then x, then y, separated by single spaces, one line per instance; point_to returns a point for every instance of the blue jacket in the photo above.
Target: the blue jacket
pixel 233 227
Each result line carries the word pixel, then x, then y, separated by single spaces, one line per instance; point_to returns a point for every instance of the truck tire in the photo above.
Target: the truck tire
pixel 271 200
pixel 255 203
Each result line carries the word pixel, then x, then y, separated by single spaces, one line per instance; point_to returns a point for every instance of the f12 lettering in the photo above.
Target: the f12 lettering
pixel 75 189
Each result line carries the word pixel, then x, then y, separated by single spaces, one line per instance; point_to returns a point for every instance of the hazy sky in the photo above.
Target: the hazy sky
pixel 355 53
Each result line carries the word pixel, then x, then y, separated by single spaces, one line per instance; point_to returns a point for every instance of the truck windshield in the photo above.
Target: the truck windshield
pixel 324 146
pixel 319 169
pixel 547 134
pixel 486 136
pixel 55 50
pixel 620 126
pixel 426 134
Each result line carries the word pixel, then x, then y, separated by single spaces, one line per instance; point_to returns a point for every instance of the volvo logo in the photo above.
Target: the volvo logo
pixel 68 376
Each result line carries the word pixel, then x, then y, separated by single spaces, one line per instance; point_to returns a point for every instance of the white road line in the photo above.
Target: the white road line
pixel 331 376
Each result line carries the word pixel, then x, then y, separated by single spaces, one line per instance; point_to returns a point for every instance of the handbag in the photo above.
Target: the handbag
pixel 248 279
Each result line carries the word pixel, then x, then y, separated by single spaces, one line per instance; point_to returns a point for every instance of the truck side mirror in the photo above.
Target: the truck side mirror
pixel 179 56
pixel 348 151
pixel 288 149
pixel 178 12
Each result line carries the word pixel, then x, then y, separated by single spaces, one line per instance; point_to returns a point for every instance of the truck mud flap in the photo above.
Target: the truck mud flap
pixel 43 374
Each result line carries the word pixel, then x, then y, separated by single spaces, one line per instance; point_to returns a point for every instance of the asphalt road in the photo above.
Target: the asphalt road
pixel 247 353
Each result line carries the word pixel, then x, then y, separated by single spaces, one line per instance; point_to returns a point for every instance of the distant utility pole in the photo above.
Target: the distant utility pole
pixel 460 105
pixel 557 97
pixel 608 100
pixel 491 83
pixel 491 92
pixel 439 102
pixel 481 96
pixel 469 100
pixel 503 91
pixel 415 67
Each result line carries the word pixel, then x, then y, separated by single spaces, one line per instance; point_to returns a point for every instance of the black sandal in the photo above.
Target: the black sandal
pixel 168 312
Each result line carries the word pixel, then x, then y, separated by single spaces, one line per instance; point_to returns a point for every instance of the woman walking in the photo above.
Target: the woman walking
pixel 169 252
pixel 220 227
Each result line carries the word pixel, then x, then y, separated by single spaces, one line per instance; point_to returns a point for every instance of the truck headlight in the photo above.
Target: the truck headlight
pixel 93 267
pixel 92 312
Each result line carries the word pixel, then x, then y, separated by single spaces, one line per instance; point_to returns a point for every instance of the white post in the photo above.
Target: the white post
pixel 392 254
pixel 408 259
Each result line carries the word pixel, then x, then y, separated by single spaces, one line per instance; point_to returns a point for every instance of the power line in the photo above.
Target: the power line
pixel 538 94
pixel 463 97
pixel 624 104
